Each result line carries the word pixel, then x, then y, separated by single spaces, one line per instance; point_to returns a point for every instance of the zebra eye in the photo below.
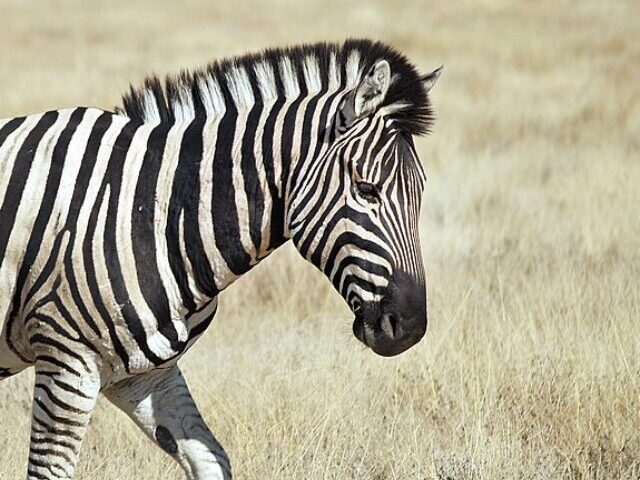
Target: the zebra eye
pixel 368 191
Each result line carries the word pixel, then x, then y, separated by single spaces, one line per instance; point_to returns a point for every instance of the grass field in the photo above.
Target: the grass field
pixel 531 233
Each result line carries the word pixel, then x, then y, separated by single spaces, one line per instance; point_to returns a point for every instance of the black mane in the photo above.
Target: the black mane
pixel 413 115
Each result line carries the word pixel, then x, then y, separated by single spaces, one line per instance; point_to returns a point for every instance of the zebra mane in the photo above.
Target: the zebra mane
pixel 276 73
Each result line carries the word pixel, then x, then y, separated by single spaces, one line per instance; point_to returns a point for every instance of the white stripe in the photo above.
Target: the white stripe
pixel 30 202
pixel 292 92
pixel 266 84
pixel 163 197
pixel 240 88
pixel 202 315
pixel 183 107
pixel 82 225
pixel 137 361
pixel 151 113
pixel 353 69
pixel 10 148
pixel 347 225
pixel 212 97
pixel 68 179
pixel 358 272
pixel 157 342
pixel 242 95
pixel 199 297
pixel 312 75
pixel 216 106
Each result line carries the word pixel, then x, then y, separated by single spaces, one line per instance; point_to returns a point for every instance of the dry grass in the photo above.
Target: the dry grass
pixel 531 368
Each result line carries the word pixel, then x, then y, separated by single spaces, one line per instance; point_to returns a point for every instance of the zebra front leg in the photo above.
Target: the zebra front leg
pixel 161 405
pixel 64 396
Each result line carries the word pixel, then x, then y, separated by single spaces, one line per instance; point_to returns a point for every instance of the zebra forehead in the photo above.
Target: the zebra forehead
pixel 286 73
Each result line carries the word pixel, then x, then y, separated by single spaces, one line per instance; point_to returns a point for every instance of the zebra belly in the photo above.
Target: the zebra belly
pixel 113 336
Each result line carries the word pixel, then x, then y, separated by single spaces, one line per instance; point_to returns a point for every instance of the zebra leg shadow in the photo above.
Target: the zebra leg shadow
pixel 160 403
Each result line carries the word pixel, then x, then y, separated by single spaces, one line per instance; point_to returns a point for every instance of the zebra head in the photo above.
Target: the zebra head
pixel 355 213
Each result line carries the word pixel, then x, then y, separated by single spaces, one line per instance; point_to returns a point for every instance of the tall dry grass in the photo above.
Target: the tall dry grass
pixel 531 235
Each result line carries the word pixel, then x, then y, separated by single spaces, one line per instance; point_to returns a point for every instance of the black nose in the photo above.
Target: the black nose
pixel 395 334
pixel 389 324
pixel 399 321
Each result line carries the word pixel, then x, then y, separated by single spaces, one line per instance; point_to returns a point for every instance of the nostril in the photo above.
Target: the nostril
pixel 389 324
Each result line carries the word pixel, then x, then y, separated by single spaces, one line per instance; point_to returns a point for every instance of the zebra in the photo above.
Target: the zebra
pixel 119 229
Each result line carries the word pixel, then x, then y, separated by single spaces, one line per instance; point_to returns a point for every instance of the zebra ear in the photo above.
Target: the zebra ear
pixel 372 89
pixel 368 95
pixel 429 80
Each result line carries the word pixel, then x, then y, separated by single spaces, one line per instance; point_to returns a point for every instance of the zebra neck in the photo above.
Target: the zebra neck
pixel 234 177
pixel 226 211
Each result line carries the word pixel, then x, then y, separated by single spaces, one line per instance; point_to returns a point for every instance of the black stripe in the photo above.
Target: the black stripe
pixel 58 363
pixel 43 319
pixel 56 167
pixel 198 329
pixel 52 440
pixel 289 126
pixel 33 474
pixel 321 181
pixel 10 127
pixel 56 418
pixel 223 205
pixel 66 315
pixel 41 339
pixel 308 125
pixel 62 384
pixel 77 200
pixel 364 264
pixel 276 235
pixel 19 176
pixel 113 180
pixel 349 238
pixel 13 195
pixel 52 430
pixel 252 186
pixel 49 452
pixel 360 282
pixel 47 466
pixel 185 197
pixel 142 230
pixel 55 400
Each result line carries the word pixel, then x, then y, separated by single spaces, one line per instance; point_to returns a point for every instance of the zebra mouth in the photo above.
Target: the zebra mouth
pixel 358 329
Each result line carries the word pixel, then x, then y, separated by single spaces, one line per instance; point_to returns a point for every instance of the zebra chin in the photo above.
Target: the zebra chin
pixel 397 322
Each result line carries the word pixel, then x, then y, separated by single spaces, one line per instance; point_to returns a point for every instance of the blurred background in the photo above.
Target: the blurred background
pixel 531 235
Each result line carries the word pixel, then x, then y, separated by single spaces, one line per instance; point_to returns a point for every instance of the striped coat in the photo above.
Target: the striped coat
pixel 118 230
